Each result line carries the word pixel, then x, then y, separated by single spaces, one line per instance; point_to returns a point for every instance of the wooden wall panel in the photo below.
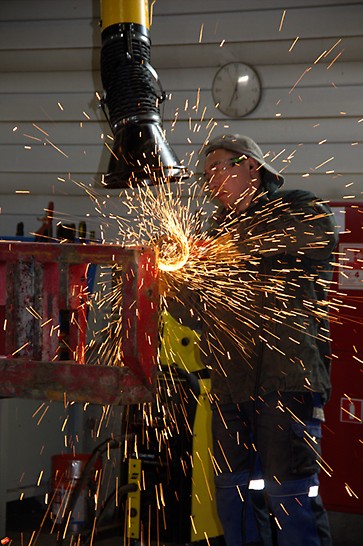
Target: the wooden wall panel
pixel 308 102
pixel 87 159
pixel 185 78
pixel 23 10
pixel 210 27
pixel 57 61
pixel 282 131
pixel 181 55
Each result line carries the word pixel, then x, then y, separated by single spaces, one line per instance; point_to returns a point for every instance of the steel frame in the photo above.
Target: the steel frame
pixel 42 282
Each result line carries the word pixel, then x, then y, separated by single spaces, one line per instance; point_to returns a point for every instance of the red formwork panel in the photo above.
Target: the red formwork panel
pixel 44 297
pixel 342 488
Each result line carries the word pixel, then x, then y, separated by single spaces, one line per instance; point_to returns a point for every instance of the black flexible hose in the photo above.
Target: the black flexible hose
pixel 109 443
pixel 129 83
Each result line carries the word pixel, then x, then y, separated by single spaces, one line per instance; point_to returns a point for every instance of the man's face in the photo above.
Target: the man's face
pixel 232 180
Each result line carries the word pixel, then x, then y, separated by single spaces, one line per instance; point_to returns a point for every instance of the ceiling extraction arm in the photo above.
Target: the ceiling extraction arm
pixel 132 96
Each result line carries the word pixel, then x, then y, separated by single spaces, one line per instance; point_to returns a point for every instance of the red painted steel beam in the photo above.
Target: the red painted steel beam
pixel 63 285
pixel 68 382
pixel 68 252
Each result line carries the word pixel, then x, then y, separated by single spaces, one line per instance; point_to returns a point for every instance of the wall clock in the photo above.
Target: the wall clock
pixel 236 89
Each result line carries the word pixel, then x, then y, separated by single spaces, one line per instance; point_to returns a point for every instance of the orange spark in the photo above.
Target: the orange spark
pixel 299 80
pixel 293 44
pixel 335 59
pixel 282 20
pixel 201 32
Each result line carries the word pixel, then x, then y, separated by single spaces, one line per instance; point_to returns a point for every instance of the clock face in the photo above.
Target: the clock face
pixel 236 89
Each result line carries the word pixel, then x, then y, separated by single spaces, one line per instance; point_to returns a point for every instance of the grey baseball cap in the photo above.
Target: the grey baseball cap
pixel 244 145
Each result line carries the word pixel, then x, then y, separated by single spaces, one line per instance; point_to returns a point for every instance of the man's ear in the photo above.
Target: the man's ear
pixel 255 171
pixel 254 167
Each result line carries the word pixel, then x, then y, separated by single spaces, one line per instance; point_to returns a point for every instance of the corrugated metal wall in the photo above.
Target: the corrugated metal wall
pixel 52 129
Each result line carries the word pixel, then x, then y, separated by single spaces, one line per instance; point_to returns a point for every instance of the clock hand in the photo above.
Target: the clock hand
pixel 234 94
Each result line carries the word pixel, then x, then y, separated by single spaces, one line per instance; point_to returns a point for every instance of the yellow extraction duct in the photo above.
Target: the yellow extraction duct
pixel 132 95
pixel 115 12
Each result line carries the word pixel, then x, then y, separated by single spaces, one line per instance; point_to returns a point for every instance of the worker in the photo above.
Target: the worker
pixel 270 355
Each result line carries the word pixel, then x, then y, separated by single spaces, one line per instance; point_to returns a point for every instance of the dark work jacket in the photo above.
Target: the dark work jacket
pixel 272 332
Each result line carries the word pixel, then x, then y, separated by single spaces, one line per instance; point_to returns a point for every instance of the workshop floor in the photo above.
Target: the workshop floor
pixel 347 530
pixel 50 540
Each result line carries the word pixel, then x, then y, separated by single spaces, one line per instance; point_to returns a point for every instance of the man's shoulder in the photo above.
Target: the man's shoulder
pixel 301 198
pixel 292 196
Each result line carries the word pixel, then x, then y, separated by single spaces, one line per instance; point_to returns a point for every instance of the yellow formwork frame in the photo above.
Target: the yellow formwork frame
pixel 205 522
pixel 133 500
pixel 204 517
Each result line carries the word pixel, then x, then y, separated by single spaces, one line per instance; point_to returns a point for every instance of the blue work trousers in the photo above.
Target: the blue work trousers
pixel 275 442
